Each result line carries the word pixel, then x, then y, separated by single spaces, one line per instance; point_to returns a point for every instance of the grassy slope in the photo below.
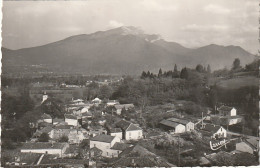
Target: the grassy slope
pixel 236 83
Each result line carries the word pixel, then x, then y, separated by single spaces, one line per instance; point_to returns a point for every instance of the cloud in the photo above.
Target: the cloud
pixel 203 28
pixel 216 9
pixel 115 24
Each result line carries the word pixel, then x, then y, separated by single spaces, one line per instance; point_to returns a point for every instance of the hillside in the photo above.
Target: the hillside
pixel 124 50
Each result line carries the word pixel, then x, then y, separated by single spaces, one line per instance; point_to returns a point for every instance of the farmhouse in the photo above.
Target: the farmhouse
pixel 215 131
pixel 188 124
pixel 129 130
pixel 173 127
pixel 105 143
pixel 227 111
pixel 45 148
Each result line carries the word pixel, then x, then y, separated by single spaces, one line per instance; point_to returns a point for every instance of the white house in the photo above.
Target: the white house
pixel 105 143
pixel 249 145
pixel 215 131
pixel 96 101
pixel 46 118
pixel 129 130
pixel 173 127
pixel 227 111
pixel 71 119
pixel 45 148
pixel 112 102
pixel 188 124
pixel 77 102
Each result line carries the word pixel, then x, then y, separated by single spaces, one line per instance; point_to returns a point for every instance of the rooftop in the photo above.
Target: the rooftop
pixel 103 138
pixel 225 108
pixel 169 123
pixel 69 116
pixel 43 145
pixel 177 120
pixel 121 146
pixel 46 116
pixel 123 124
pixel 212 128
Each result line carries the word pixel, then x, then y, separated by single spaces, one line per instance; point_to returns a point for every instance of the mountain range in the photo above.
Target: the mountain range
pixel 123 50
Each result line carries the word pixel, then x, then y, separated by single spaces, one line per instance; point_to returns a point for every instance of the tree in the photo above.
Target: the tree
pixel 199 68
pixel 175 68
pixel 160 72
pixel 236 64
pixel 208 69
pixel 184 73
pixel 143 76
pixel 44 137
pixel 64 138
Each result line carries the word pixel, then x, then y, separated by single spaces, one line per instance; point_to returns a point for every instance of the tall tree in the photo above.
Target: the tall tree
pixel 208 69
pixel 184 73
pixel 160 72
pixel 175 68
pixel 236 64
pixel 199 68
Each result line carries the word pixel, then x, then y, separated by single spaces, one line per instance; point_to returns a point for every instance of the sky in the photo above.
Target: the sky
pixel 192 23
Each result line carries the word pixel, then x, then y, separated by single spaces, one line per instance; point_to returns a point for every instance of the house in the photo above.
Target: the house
pixel 250 145
pixel 46 130
pixel 188 124
pixel 57 121
pixel 105 143
pixel 77 102
pixel 17 159
pixel 71 119
pixel 45 148
pixel 215 131
pixel 46 118
pixel 96 101
pixel 227 111
pixel 173 127
pixel 76 136
pixel 87 114
pixel 116 132
pixel 44 97
pixel 130 131
pixel 119 107
pixel 112 102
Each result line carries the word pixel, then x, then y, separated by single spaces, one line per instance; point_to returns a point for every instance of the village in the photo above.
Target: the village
pixel 104 133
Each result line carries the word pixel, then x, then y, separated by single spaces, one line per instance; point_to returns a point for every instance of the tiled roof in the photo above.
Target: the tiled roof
pixel 63 127
pixel 120 146
pixel 103 138
pixel 69 116
pixel 115 130
pixel 169 123
pixel 46 116
pixel 177 120
pixel 133 127
pixel 123 124
pixel 43 145
pixel 57 120
pixel 137 149
pixel 225 108
pixel 28 158
pixel 46 129
pixel 211 128
pixel 253 142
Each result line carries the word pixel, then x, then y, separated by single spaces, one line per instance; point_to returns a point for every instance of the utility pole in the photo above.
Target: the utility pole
pixel 178 150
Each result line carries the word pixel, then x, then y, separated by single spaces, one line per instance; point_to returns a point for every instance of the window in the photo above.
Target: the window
pixel 94 145
pixel 107 153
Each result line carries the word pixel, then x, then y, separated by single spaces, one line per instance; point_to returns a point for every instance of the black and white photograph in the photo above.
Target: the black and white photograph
pixel 130 83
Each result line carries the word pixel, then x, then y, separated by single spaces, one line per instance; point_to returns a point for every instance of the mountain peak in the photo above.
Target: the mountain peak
pixel 126 30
